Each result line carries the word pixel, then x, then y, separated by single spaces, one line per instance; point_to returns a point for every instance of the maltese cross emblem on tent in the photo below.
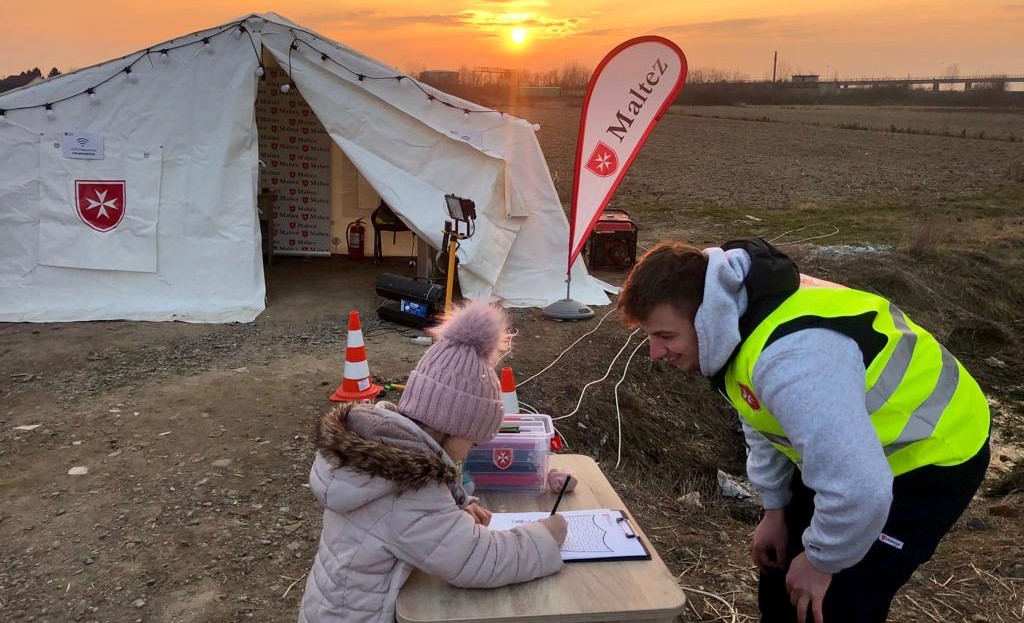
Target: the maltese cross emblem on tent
pixel 100 203
pixel 603 162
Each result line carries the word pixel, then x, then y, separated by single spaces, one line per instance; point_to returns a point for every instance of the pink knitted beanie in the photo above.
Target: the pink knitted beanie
pixel 454 388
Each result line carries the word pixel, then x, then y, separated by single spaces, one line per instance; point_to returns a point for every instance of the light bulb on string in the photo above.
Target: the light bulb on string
pixel 286 87
pixel 430 101
pixel 259 71
pixel 93 99
pixel 50 114
pixel 323 57
pixel 3 115
pixel 207 45
pixel 164 56
pixel 131 76
pixel 237 33
pixel 465 113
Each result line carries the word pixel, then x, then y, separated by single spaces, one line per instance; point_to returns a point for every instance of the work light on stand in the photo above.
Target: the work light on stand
pixel 463 216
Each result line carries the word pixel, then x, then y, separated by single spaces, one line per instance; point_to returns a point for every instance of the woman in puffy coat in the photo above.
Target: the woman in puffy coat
pixel 392 494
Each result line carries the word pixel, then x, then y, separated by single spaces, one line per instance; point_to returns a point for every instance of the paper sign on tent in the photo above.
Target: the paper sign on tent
pixel 99 214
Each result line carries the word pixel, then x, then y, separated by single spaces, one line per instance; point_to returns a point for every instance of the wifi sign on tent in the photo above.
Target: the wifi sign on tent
pixel 83 145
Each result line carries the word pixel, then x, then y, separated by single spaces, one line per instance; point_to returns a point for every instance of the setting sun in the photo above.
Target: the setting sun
pixel 518 36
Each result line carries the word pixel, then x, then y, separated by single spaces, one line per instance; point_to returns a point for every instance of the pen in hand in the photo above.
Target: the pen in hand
pixel 561 492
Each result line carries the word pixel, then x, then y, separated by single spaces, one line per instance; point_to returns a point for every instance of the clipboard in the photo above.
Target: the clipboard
pixel 598 535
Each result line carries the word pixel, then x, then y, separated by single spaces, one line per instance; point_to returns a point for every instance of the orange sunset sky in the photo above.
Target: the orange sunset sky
pixel 848 39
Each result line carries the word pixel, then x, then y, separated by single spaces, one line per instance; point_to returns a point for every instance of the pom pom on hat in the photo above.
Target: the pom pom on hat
pixel 476 325
pixel 453 388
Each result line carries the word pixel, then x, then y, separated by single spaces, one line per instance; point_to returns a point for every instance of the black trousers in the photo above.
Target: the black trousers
pixel 926 503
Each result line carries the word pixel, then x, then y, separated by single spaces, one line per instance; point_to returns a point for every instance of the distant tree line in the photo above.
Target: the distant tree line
pixel 497 86
pixel 19 80
pixel 708 86
pixel 726 93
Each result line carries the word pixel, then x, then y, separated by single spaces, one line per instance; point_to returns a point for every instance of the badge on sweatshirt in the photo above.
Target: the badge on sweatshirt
pixel 749 397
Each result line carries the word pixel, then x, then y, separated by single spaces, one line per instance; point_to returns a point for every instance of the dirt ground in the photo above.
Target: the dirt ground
pixel 195 437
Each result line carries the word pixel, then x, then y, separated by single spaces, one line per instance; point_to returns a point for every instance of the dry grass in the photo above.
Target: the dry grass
pixel 930 237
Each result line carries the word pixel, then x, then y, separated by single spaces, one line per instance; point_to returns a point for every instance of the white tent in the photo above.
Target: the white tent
pixel 128 190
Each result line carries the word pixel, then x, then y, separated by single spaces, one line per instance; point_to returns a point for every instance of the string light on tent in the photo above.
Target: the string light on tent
pixel 237 30
pixel 90 92
pixel 361 77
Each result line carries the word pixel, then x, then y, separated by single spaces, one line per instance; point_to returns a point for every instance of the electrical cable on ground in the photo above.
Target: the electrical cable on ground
pixel 811 238
pixel 525 408
pixel 607 372
pixel 545 369
pixel 785 233
pixel 618 412
pixel 511 334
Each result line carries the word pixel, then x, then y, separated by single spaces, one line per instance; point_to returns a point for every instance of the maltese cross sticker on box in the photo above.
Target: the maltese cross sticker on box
pixel 100 203
pixel 603 161
pixel 502 457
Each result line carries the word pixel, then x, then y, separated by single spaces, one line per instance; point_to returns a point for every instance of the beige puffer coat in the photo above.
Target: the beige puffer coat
pixel 392 503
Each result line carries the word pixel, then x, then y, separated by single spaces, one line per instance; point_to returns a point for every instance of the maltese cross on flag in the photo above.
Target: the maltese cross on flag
pixel 603 162
pixel 100 203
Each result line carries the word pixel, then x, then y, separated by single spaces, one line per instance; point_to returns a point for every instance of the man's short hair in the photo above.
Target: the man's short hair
pixel 671 272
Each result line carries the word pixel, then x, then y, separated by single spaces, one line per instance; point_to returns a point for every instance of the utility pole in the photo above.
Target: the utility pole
pixel 775 63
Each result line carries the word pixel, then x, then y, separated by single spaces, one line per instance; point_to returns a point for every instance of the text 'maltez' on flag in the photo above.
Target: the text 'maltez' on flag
pixel 627 94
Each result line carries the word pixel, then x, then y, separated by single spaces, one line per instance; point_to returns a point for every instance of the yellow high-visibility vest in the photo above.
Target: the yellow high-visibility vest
pixel 925 407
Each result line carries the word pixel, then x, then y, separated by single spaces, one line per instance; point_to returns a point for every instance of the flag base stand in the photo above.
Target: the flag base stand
pixel 568 309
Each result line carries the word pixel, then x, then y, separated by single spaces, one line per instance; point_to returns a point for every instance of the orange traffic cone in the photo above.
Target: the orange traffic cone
pixel 356 384
pixel 509 397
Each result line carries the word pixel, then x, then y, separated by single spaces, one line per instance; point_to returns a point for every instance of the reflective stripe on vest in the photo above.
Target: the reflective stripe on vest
pixel 924 410
pixel 896 367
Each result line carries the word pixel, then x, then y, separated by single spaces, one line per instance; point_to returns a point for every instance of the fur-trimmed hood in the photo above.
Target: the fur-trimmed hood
pixel 375 534
pixel 365 452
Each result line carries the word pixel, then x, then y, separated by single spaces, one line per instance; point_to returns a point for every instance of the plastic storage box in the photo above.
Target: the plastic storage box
pixel 516 460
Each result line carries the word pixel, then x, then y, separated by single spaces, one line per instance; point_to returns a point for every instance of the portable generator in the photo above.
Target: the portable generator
pixel 612 243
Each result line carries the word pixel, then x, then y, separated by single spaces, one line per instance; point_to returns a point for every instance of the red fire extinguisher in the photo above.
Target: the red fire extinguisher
pixel 355 235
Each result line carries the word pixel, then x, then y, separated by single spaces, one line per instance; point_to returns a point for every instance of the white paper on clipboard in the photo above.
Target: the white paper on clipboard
pixel 600 534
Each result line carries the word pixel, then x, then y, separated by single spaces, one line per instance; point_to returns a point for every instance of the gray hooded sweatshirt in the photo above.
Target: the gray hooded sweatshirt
pixel 812 381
